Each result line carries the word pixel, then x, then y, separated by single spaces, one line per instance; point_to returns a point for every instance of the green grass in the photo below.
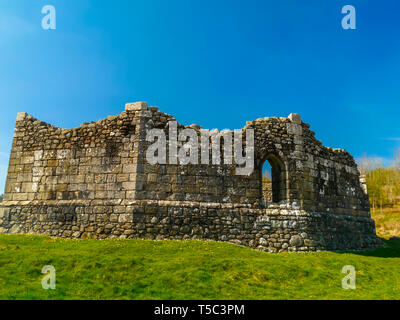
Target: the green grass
pixel 142 269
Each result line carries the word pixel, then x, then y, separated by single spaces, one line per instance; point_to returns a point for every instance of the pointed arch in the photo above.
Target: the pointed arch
pixel 274 188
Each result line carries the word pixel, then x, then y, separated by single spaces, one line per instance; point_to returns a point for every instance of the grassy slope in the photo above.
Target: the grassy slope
pixel 140 269
pixel 387 222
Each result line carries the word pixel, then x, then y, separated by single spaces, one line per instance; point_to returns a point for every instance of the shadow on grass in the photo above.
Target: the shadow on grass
pixel 391 250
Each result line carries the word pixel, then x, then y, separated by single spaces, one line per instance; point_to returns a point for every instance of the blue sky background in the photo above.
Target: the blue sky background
pixel 214 63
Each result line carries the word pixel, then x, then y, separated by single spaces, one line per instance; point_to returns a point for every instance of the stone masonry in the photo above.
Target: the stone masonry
pixel 94 181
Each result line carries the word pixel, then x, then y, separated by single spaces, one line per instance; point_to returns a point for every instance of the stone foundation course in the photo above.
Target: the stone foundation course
pixel 274 230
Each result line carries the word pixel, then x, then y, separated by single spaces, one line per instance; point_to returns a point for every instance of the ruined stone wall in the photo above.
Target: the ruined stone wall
pixel 95 161
pixel 95 181
pixel 191 182
pixel 318 178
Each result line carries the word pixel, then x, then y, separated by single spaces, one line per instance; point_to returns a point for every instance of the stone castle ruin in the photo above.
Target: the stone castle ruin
pixel 94 181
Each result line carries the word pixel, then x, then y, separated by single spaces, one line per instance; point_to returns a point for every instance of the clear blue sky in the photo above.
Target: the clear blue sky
pixel 215 63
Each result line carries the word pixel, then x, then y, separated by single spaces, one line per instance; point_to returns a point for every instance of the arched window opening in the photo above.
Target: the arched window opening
pixel 267 182
pixel 273 180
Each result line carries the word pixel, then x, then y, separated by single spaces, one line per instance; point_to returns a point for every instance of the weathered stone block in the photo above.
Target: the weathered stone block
pixel 136 106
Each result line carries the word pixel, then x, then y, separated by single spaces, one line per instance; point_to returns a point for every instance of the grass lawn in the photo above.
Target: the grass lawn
pixel 141 269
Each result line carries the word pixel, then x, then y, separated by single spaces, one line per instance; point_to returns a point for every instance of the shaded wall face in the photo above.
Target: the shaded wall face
pixel 330 179
pixel 95 161
pixel 331 185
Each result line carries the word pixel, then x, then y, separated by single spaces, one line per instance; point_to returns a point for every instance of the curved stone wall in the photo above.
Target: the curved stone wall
pixel 282 228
